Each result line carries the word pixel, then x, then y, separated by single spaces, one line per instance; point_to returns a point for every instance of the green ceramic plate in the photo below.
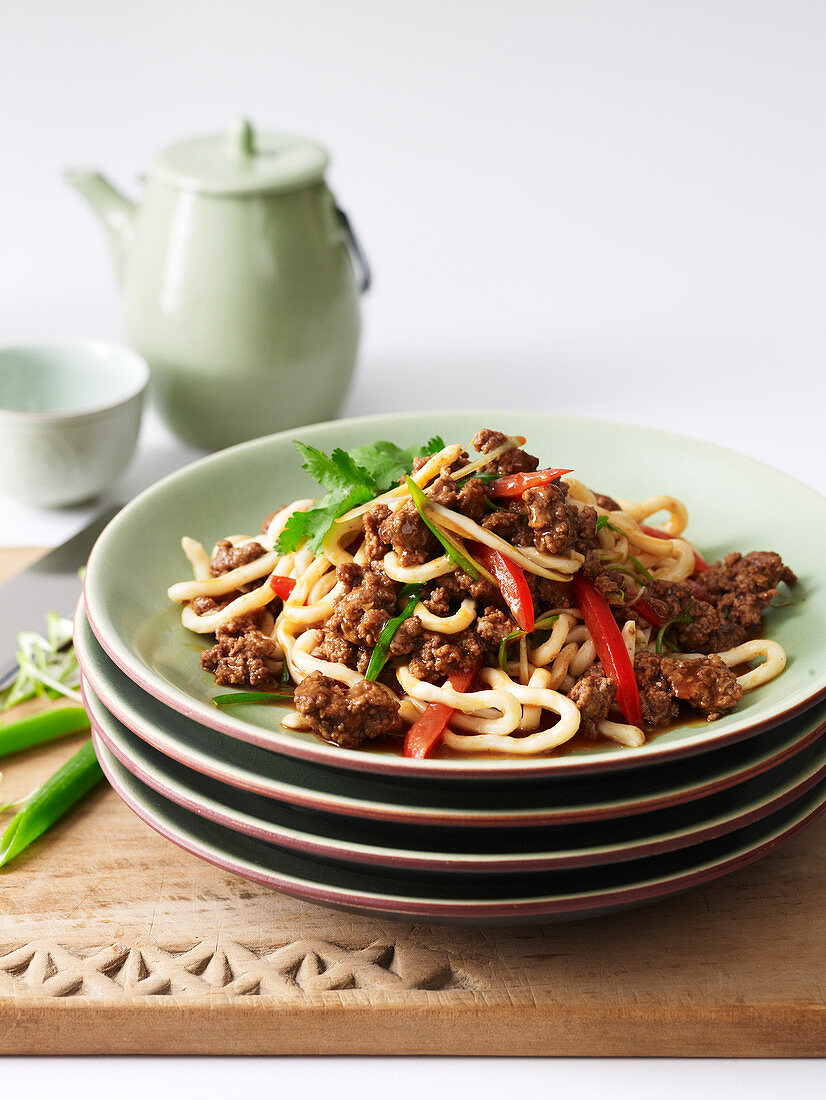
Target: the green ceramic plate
pixel 461 899
pixel 442 802
pixel 404 846
pixel 734 502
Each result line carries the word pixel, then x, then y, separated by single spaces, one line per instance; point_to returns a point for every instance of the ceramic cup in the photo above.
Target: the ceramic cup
pixel 69 417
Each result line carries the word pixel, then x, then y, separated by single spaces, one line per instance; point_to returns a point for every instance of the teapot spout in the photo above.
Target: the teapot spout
pixel 115 211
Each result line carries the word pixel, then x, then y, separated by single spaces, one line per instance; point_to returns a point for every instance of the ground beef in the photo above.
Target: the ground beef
pixel 607 581
pixel 374 546
pixel 593 694
pixel 511 525
pixel 347 717
pixel 606 502
pixel 469 499
pixel 493 626
pixel 708 631
pixel 742 586
pixel 228 557
pixel 705 683
pixel 203 605
pixel 369 601
pixel 548 594
pixel 408 535
pixel 515 461
pixel 241 656
pixel 558 526
pixel 659 706
pixel 441 655
pixel 459 584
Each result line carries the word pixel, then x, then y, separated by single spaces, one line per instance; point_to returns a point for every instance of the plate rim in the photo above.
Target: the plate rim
pixel 320 846
pixel 474 910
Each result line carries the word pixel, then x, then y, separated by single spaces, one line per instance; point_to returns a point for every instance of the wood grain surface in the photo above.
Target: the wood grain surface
pixel 114 941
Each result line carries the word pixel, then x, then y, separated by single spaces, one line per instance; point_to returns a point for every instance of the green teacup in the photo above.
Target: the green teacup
pixel 69 417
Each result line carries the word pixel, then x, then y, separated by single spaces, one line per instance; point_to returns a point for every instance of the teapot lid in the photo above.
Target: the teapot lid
pixel 240 162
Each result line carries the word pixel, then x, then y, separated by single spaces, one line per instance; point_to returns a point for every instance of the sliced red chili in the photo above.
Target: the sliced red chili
pixel 610 647
pixel 514 485
pixel 281 586
pixel 700 563
pixel 648 612
pixel 427 730
pixel 512 583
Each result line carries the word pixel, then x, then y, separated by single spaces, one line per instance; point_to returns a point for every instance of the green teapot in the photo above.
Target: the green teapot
pixel 241 278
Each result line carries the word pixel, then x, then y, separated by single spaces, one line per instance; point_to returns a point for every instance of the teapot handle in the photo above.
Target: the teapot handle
pixel 359 260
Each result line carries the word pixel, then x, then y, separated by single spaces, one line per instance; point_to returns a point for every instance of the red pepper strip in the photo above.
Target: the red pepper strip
pixel 511 580
pixel 700 563
pixel 514 485
pixel 610 647
pixel 648 612
pixel 282 586
pixel 424 734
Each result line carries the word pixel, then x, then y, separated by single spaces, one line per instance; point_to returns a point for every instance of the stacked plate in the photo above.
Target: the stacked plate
pixel 462 840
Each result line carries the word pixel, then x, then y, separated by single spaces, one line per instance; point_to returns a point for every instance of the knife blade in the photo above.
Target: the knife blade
pixel 51 584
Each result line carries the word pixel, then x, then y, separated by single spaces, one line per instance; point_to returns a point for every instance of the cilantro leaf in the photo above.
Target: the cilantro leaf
pixel 314 524
pixel 350 478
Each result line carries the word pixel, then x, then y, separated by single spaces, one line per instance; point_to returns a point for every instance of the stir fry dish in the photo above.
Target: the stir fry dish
pixel 458 604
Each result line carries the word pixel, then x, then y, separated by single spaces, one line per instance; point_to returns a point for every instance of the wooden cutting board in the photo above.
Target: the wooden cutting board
pixel 113 941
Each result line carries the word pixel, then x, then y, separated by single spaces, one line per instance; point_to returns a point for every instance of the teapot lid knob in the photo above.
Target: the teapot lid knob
pixel 240 141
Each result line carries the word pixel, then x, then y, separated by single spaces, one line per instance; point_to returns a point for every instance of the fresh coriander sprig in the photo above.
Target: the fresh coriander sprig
pixel 350 478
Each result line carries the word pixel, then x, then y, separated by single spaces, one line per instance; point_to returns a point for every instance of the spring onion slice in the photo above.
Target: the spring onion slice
pixel 685 617
pixel 233 697
pixel 453 550
pixel 50 801
pixel 378 658
pixel 35 729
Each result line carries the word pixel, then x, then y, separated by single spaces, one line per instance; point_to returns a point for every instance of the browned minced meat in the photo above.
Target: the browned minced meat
pixel 705 683
pixel 511 525
pixel 370 600
pixel 593 694
pixel 548 594
pixel 608 582
pixel 347 717
pixel 659 705
pixel 606 502
pixel 742 586
pixel 203 605
pixel 228 557
pixel 557 526
pixel 441 655
pixel 406 533
pixel 469 499
pixel 515 461
pixel 241 656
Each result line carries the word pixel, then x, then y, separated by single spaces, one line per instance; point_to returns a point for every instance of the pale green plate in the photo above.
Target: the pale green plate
pixel 734 502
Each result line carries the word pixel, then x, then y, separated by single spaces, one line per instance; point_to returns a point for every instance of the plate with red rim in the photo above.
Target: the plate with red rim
pixel 442 802
pixel 461 899
pixel 446 849
pixel 735 503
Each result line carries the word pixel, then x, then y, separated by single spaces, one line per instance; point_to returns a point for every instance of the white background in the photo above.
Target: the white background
pixel 608 208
